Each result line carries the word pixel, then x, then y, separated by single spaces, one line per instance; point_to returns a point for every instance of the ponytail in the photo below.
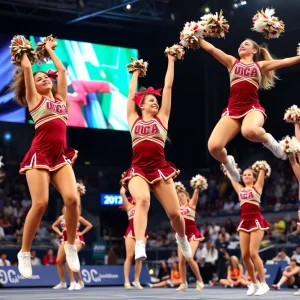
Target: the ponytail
pixel 269 77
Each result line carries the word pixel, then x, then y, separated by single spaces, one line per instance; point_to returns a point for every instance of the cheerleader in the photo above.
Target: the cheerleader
pixel 48 160
pixel 149 169
pixel 129 236
pixel 61 256
pixel 252 226
pixel 253 70
pixel 188 210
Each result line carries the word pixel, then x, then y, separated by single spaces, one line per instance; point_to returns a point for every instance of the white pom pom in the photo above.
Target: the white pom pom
pixel 291 146
pixel 265 22
pixel 179 186
pixel 199 182
pixel 1 163
pixel 138 64
pixel 191 33
pixel 292 114
pixel 41 52
pixel 262 164
pixel 176 50
pixel 298 49
pixel 215 25
pixel 81 188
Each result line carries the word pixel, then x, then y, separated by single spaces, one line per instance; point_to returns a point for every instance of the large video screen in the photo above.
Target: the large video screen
pixel 97 83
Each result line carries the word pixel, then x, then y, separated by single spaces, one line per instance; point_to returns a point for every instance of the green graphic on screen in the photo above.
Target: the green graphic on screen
pixel 97 82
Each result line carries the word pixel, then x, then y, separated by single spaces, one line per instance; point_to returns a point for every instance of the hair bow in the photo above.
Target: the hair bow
pixel 52 74
pixel 139 97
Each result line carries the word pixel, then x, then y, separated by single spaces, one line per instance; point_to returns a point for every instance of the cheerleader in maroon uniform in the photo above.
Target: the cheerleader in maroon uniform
pixel 79 242
pixel 129 206
pixel 48 160
pixel 149 168
pixel 188 210
pixel 252 225
pixel 254 70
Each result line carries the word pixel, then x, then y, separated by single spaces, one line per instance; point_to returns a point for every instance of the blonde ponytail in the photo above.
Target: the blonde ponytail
pixel 269 77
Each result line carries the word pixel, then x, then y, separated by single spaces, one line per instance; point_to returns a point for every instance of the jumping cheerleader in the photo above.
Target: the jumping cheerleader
pixel 252 225
pixel 188 210
pixel 253 70
pixel 61 256
pixel 129 206
pixel 48 160
pixel 149 169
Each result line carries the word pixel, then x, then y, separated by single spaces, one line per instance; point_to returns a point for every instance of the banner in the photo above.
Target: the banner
pixel 271 272
pixel 91 276
pixel 99 250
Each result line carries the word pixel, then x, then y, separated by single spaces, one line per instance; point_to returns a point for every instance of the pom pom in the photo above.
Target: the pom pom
pixel 291 146
pixel 138 64
pixel 1 163
pixel 223 169
pixel 81 188
pixel 20 45
pixel 292 114
pixel 199 182
pixel 298 49
pixel 262 164
pixel 265 22
pixel 176 50
pixel 215 25
pixel 191 33
pixel 179 187
pixel 41 52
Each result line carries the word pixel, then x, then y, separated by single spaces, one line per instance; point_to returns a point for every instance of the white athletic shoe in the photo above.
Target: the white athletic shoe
pixel 253 288
pixel 275 147
pixel 24 264
pixel 263 288
pixel 199 285
pixel 79 286
pixel 297 293
pixel 232 170
pixel 182 288
pixel 140 250
pixel 72 257
pixel 60 286
pixel 72 286
pixel 137 285
pixel 184 246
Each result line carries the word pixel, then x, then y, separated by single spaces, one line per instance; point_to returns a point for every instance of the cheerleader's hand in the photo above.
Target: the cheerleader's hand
pixel 79 234
pixel 50 44
pixel 122 190
pixel 262 167
pixel 172 58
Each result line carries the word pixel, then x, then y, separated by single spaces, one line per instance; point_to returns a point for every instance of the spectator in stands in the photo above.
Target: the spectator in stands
pixel 234 273
pixel 175 279
pixel 296 255
pixel 7 226
pixel 4 262
pixel 2 234
pixel 210 266
pixel 224 233
pixel 282 256
pixel 42 232
pixel 290 276
pixel 214 231
pixel 8 209
pixel 49 259
pixel 200 255
pixel 279 227
pixel 164 271
pixel 228 206
pixel 172 258
pixel 26 202
pixel 35 261
pixel 18 210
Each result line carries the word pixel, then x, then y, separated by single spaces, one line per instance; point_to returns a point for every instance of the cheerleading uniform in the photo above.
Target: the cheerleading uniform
pixel 49 146
pixel 64 237
pixel 251 217
pixel 245 80
pixel 191 230
pixel 148 157
pixel 130 229
pixel 298 222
